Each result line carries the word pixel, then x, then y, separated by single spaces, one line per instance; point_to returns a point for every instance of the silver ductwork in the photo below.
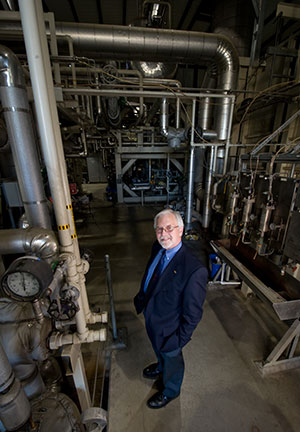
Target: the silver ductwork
pixel 162 45
pixel 155 69
pixel 205 112
pixel 14 100
pixel 150 44
pixel 37 241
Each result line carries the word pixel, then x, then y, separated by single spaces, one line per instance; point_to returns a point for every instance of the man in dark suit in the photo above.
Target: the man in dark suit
pixel 171 297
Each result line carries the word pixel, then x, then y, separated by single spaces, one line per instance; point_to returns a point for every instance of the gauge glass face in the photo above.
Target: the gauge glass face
pixel 23 284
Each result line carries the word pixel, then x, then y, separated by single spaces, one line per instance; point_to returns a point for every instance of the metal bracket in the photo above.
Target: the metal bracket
pixel 287 343
pixel 72 358
pixel 284 309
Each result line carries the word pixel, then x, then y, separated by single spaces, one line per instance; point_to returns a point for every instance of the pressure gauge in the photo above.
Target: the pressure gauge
pixel 27 278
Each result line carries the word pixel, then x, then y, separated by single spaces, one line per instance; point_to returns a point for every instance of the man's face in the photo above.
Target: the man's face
pixel 166 239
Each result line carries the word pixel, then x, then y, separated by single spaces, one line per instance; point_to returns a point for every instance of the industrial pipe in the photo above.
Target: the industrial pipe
pixel 14 101
pixel 42 84
pixel 152 44
pixel 208 185
pixel 174 136
pixel 191 173
pixel 38 241
pixel 58 340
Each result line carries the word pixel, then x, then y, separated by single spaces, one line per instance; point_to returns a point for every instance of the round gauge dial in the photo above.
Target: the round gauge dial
pixel 23 284
pixel 27 278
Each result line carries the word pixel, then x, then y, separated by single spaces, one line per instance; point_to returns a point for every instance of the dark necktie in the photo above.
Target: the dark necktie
pixel 155 276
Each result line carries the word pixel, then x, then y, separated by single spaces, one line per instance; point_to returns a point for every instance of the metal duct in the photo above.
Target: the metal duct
pixel 41 242
pixel 9 4
pixel 162 45
pixel 155 69
pixel 155 45
pixel 205 112
pixel 15 106
pixel 150 44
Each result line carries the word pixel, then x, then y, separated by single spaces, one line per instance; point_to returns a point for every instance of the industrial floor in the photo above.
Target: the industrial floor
pixel 222 389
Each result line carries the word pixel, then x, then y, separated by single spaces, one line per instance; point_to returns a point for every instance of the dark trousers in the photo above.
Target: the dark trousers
pixel 172 366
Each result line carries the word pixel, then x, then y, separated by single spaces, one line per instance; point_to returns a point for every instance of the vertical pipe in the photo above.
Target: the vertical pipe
pixel 42 84
pixel 227 146
pixel 164 117
pixel 46 127
pixel 207 206
pixel 16 110
pixel 177 113
pixel 190 192
pixel 222 118
pixel 205 113
pixel 111 298
pixel 83 301
pixel 53 46
pixel 168 179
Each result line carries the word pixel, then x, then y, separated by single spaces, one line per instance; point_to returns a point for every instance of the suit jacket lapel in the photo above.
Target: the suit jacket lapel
pixel 171 267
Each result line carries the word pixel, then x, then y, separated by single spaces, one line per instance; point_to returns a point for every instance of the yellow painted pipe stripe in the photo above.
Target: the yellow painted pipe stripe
pixel 63 227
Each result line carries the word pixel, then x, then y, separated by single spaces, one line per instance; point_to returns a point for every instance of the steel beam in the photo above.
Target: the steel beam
pixel 72 359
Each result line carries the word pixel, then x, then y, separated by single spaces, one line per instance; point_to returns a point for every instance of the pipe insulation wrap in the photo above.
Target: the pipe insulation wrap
pixel 38 60
pixel 6 372
pixel 38 241
pixel 143 43
pixel 152 44
pixel 162 45
pixel 14 405
pixel 16 110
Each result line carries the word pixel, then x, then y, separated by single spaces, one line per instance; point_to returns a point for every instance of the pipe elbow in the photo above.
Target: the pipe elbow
pixel 164 131
pixel 227 63
pixel 41 242
pixel 11 72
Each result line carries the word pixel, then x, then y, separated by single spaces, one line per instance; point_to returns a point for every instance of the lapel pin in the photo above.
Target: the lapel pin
pixel 175 271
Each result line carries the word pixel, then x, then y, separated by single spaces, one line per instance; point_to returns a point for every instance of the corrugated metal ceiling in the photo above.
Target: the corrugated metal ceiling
pixel 186 14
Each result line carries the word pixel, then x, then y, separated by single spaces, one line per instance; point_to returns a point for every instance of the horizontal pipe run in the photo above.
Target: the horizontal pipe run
pixel 145 93
pixel 153 44
pixel 98 318
pixel 58 340
pixel 38 241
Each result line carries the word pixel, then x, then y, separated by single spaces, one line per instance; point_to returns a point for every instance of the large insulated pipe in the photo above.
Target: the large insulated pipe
pixel 42 84
pixel 38 241
pixel 14 100
pixel 152 44
pixel 161 45
pixel 14 405
pixel 205 112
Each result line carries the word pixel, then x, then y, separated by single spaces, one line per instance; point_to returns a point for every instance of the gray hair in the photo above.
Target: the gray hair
pixel 169 211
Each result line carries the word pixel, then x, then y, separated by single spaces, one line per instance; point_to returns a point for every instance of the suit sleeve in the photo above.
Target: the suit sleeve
pixel 193 299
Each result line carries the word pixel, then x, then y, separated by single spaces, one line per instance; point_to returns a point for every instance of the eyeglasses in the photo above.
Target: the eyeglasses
pixel 168 229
